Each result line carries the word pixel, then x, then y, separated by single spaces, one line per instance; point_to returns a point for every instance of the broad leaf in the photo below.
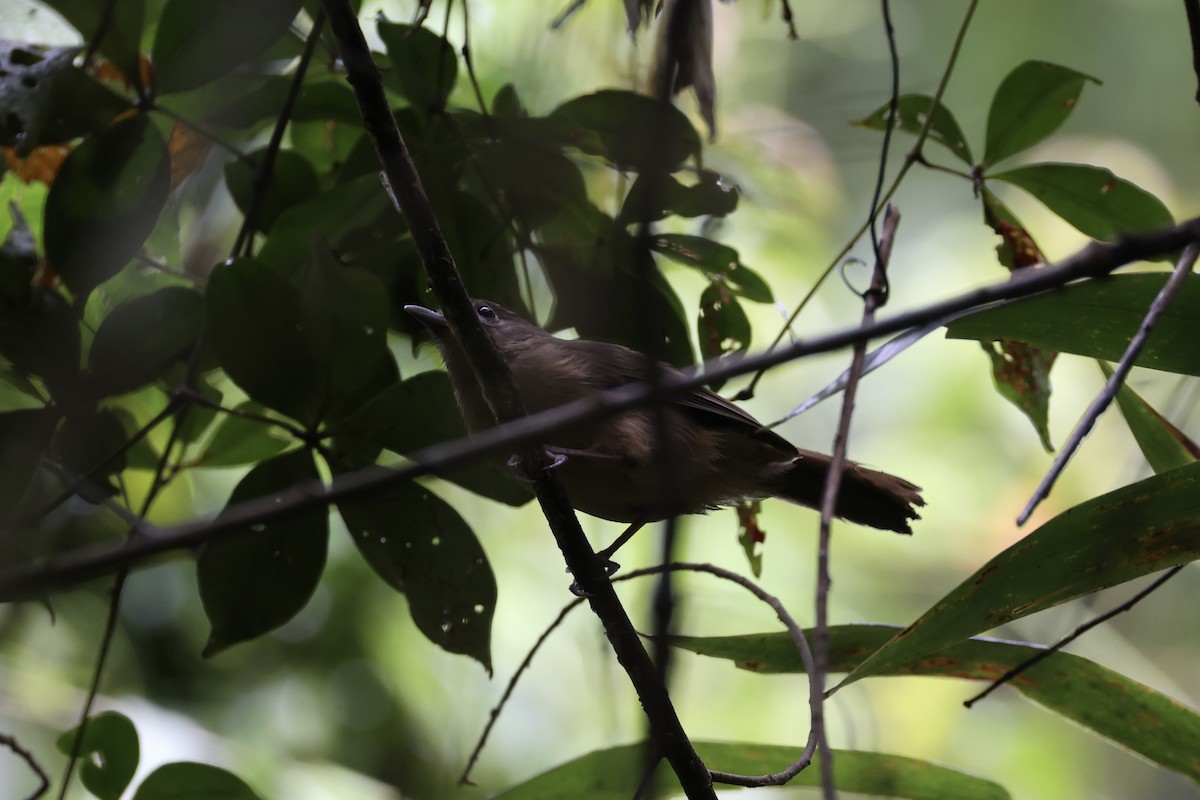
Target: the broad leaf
pixel 630 130
pixel 912 111
pixel 123 23
pixel 424 66
pixel 1164 446
pixel 24 437
pixel 419 545
pixel 141 338
pixel 722 325
pixel 1134 531
pixel 293 180
pixel 238 440
pixel 105 201
pixel 1022 375
pixel 109 753
pixel 714 258
pixel 185 780
pixel 1092 199
pixel 1031 103
pixel 197 43
pixel 1122 710
pixel 615 774
pixel 1097 318
pixel 255 580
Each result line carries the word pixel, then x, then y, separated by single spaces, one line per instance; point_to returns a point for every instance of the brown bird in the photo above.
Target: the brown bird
pixel 721 454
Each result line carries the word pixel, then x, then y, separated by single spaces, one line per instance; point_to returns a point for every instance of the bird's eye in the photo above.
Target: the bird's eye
pixel 487 312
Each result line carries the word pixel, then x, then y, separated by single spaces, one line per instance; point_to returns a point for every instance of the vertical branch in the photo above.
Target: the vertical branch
pixel 1193 18
pixel 872 299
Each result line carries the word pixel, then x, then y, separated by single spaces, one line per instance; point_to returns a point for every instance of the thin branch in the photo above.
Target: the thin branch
pixel 1193 18
pixel 1182 269
pixel 1082 629
pixel 872 299
pixel 12 744
pixel 1094 260
pixel 404 183
pixel 893 110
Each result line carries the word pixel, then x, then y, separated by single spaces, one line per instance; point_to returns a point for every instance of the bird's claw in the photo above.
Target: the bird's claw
pixel 514 463
pixel 610 568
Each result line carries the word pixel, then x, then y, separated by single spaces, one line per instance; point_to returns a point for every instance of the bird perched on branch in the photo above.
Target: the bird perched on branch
pixel 719 453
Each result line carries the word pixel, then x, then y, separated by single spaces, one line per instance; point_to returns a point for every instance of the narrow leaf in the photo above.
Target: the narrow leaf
pixel 255 580
pixel 109 753
pixel 1031 103
pixel 912 110
pixel 1117 537
pixel 1097 318
pixel 1164 446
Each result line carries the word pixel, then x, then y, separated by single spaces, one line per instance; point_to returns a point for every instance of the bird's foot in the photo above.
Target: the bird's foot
pixel 514 463
pixel 610 568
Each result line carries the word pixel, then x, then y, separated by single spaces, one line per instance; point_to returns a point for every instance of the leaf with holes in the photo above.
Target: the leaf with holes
pixel 105 201
pixel 1134 531
pixel 912 111
pixel 655 196
pixel 255 580
pixel 1022 376
pixel 722 326
pixel 113 741
pixel 419 545
pixel 1031 103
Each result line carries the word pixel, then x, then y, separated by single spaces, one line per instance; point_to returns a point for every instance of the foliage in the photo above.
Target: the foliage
pixel 127 373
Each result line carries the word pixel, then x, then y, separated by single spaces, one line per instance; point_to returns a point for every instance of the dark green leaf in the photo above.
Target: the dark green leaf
pixel 417 413
pixel 1096 202
pixel 24 438
pixel 141 338
pixel 630 130
pixel 1117 537
pixel 293 180
pixel 507 103
pixel 714 258
pixel 255 580
pixel 419 545
pixel 1164 446
pixel 122 33
pixel 109 752
pixel 482 247
pixel 1022 376
pixel 1125 711
pixel 537 182
pixel 199 42
pixel 184 780
pixel 1097 319
pixel 615 774
pixel 912 111
pixel 722 327
pixel 255 327
pixel 104 202
pixel 655 196
pixel 1032 101
pixel 86 441
pixel 243 441
pixel 41 338
pixel 324 101
pixel 46 99
pixel 424 67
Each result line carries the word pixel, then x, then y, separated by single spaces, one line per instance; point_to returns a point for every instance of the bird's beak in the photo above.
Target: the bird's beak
pixel 428 317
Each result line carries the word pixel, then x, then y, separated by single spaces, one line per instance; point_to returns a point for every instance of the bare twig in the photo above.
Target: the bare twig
pixel 1182 269
pixel 12 744
pixel 1094 260
pixel 873 298
pixel 1193 18
pixel 1075 634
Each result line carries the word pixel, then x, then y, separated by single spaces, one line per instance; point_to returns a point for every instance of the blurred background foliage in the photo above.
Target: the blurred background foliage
pixel 349 699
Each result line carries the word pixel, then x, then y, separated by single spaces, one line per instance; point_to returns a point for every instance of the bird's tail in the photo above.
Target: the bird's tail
pixel 866 496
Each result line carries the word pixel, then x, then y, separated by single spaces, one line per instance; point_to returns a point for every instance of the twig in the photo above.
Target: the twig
pixel 1193 18
pixel 789 19
pixel 1165 295
pixel 12 744
pixel 1094 260
pixel 265 169
pixel 404 183
pixel 893 108
pixel 872 299
pixel 1066 640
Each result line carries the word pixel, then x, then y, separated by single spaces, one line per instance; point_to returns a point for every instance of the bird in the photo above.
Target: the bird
pixel 609 468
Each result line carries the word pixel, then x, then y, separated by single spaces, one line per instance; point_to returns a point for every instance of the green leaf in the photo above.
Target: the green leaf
pixel 1097 318
pixel 46 99
pixel 255 580
pixel 255 327
pixel 1117 537
pixel 122 33
pixel 1031 103
pixel 109 752
pixel 538 182
pixel 86 440
pixel 104 202
pixel 197 43
pixel 24 438
pixel 1164 446
pixel 1022 376
pixel 185 780
pixel 416 413
pixel 630 130
pixel 1017 249
pixel 141 338
pixel 293 180
pixel 714 258
pixel 323 100
pixel 1092 199
pixel 1122 710
pixel 655 196
pixel 615 774
pixel 911 113
pixel 722 326
pixel 424 66
pixel 238 440
pixel 419 545
pixel 41 338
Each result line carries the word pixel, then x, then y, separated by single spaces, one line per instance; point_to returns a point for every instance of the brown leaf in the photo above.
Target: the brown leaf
pixel 41 165
pixel 187 149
